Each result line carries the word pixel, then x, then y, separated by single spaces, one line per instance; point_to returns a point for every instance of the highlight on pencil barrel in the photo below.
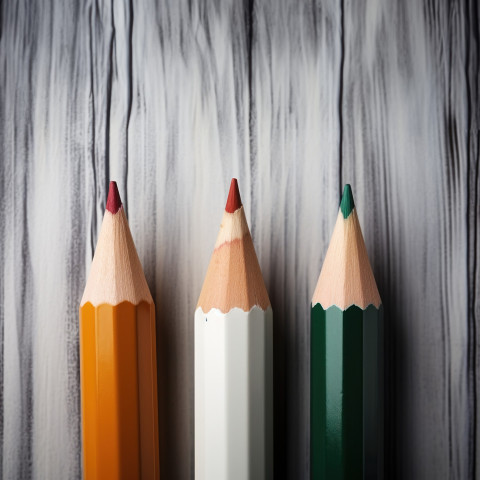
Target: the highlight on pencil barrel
pixel 118 358
pixel 233 359
pixel 346 359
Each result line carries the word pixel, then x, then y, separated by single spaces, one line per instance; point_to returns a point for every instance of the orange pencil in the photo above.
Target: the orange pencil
pixel 118 358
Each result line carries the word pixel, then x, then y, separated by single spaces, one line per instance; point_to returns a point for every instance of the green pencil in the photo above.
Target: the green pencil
pixel 346 397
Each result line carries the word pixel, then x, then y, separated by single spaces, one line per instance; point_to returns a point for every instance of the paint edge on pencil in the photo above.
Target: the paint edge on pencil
pixel 233 309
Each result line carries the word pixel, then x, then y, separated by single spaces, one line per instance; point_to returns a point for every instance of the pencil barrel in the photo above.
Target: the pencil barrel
pixel 119 391
pixel 233 395
pixel 346 393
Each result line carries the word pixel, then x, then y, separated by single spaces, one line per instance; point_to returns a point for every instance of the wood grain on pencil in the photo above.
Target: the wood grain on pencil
pixel 116 274
pixel 346 277
pixel 233 277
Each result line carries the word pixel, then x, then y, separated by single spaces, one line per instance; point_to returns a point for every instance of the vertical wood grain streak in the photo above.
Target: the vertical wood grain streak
pixel 472 73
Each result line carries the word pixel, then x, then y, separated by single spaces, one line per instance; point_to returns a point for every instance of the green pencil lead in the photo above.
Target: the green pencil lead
pixel 347 204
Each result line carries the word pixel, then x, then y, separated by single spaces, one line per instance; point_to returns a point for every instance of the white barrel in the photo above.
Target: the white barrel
pixel 233 394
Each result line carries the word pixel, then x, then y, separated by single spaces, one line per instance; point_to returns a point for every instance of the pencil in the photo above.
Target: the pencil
pixel 346 359
pixel 118 358
pixel 233 359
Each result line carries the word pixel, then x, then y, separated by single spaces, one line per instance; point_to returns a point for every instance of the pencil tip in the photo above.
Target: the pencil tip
pixel 347 204
pixel 234 202
pixel 113 201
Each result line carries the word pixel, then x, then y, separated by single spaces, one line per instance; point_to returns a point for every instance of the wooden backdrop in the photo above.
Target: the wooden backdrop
pixel 172 98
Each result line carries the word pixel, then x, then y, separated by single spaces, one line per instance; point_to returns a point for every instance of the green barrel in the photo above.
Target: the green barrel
pixel 346 396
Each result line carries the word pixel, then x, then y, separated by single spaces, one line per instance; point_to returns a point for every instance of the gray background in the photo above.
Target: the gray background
pixel 172 99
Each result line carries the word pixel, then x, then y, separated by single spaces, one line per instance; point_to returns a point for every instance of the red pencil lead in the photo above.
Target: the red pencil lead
pixel 113 201
pixel 234 202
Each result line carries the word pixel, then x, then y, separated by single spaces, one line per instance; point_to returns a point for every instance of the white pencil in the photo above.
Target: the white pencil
pixel 233 359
